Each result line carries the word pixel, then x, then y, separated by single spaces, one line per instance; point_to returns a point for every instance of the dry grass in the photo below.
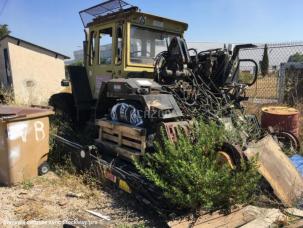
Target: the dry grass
pixel 47 200
pixel 264 88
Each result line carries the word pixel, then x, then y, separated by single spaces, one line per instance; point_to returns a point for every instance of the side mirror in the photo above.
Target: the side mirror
pixel 65 83
pixel 248 72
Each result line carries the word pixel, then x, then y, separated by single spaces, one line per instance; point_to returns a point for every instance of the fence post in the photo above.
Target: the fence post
pixel 281 82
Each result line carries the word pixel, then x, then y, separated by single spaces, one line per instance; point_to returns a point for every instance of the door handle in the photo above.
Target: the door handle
pixel 109 71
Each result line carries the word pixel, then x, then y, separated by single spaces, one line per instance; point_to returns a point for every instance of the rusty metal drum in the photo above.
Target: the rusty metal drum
pixel 281 119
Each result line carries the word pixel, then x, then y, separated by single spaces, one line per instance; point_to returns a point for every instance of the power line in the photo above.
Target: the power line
pixel 3 7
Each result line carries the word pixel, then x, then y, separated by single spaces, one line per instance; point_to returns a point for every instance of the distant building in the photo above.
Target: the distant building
pixel 200 46
pixel 32 72
pixel 204 46
pixel 278 53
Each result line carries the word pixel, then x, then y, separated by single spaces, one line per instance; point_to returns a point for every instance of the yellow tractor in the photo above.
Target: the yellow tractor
pixel 140 77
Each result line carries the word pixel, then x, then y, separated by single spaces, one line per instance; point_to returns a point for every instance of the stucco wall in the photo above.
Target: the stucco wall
pixel 36 73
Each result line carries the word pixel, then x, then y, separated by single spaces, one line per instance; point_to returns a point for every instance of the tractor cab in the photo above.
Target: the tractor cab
pixel 122 42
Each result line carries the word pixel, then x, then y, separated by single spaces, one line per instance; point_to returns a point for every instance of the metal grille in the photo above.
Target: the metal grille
pixel 105 8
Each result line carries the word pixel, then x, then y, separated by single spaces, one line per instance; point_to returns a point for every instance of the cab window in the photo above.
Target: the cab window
pixel 106 46
pixel 146 44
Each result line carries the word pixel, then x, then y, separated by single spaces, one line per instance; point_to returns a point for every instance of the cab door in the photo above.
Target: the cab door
pixel 104 56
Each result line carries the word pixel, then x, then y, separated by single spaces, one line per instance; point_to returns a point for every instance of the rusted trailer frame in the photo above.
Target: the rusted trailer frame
pixel 117 172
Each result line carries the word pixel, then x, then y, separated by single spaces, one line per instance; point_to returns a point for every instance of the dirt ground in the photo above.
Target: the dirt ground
pixel 64 199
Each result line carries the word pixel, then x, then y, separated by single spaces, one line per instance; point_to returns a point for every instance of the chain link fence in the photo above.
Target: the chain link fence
pixel 283 81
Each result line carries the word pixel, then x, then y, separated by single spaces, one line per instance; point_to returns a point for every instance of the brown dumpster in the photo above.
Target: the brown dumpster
pixel 24 143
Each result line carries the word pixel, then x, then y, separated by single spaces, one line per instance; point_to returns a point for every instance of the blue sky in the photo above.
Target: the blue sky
pixel 55 24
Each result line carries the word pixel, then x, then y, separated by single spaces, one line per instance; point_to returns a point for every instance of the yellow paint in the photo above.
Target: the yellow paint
pixel 124 186
pixel 122 69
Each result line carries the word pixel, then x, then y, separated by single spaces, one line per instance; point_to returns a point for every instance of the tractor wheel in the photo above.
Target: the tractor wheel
pixel 81 160
pixel 288 141
pixel 63 104
pixel 224 158
pixel 230 155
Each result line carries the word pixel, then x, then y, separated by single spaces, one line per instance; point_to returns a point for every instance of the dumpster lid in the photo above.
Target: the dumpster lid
pixel 10 113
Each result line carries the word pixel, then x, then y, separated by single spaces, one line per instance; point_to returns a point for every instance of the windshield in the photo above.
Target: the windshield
pixel 146 44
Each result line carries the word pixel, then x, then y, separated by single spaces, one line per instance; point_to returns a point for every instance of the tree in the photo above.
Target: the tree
pixel 77 63
pixel 298 57
pixel 4 30
pixel 265 62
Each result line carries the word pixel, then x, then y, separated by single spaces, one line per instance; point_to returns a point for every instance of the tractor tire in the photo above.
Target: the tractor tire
pixel 230 155
pixel 288 141
pixel 64 105
pixel 81 160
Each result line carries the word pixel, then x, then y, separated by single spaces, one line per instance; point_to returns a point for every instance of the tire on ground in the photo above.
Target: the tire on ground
pixel 63 104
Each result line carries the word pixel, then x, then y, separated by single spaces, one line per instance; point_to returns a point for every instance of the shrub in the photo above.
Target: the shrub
pixel 4 30
pixel 297 58
pixel 245 77
pixel 7 96
pixel 265 62
pixel 190 176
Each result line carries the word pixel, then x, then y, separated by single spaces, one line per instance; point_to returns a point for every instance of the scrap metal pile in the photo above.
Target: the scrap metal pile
pixel 204 84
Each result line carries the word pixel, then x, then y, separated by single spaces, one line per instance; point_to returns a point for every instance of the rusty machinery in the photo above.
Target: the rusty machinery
pixel 139 76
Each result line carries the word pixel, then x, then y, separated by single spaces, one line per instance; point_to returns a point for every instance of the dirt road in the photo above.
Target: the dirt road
pixel 65 199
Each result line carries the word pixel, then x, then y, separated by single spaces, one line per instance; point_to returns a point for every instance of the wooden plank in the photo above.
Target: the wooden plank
pixel 238 217
pixel 115 149
pixel 134 139
pixel 267 219
pixel 131 144
pixel 121 141
pixel 100 133
pixel 109 131
pixel 110 137
pixel 117 136
pixel 277 169
pixel 116 132
pixel 143 144
pixel 127 129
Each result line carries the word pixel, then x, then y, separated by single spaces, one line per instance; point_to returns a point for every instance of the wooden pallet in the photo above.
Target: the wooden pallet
pixel 122 139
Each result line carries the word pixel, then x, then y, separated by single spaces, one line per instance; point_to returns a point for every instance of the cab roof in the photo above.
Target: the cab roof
pixel 102 10
pixel 117 10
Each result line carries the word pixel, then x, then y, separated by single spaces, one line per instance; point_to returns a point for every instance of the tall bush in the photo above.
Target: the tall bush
pixel 4 30
pixel 265 62
pixel 190 175
pixel 297 58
